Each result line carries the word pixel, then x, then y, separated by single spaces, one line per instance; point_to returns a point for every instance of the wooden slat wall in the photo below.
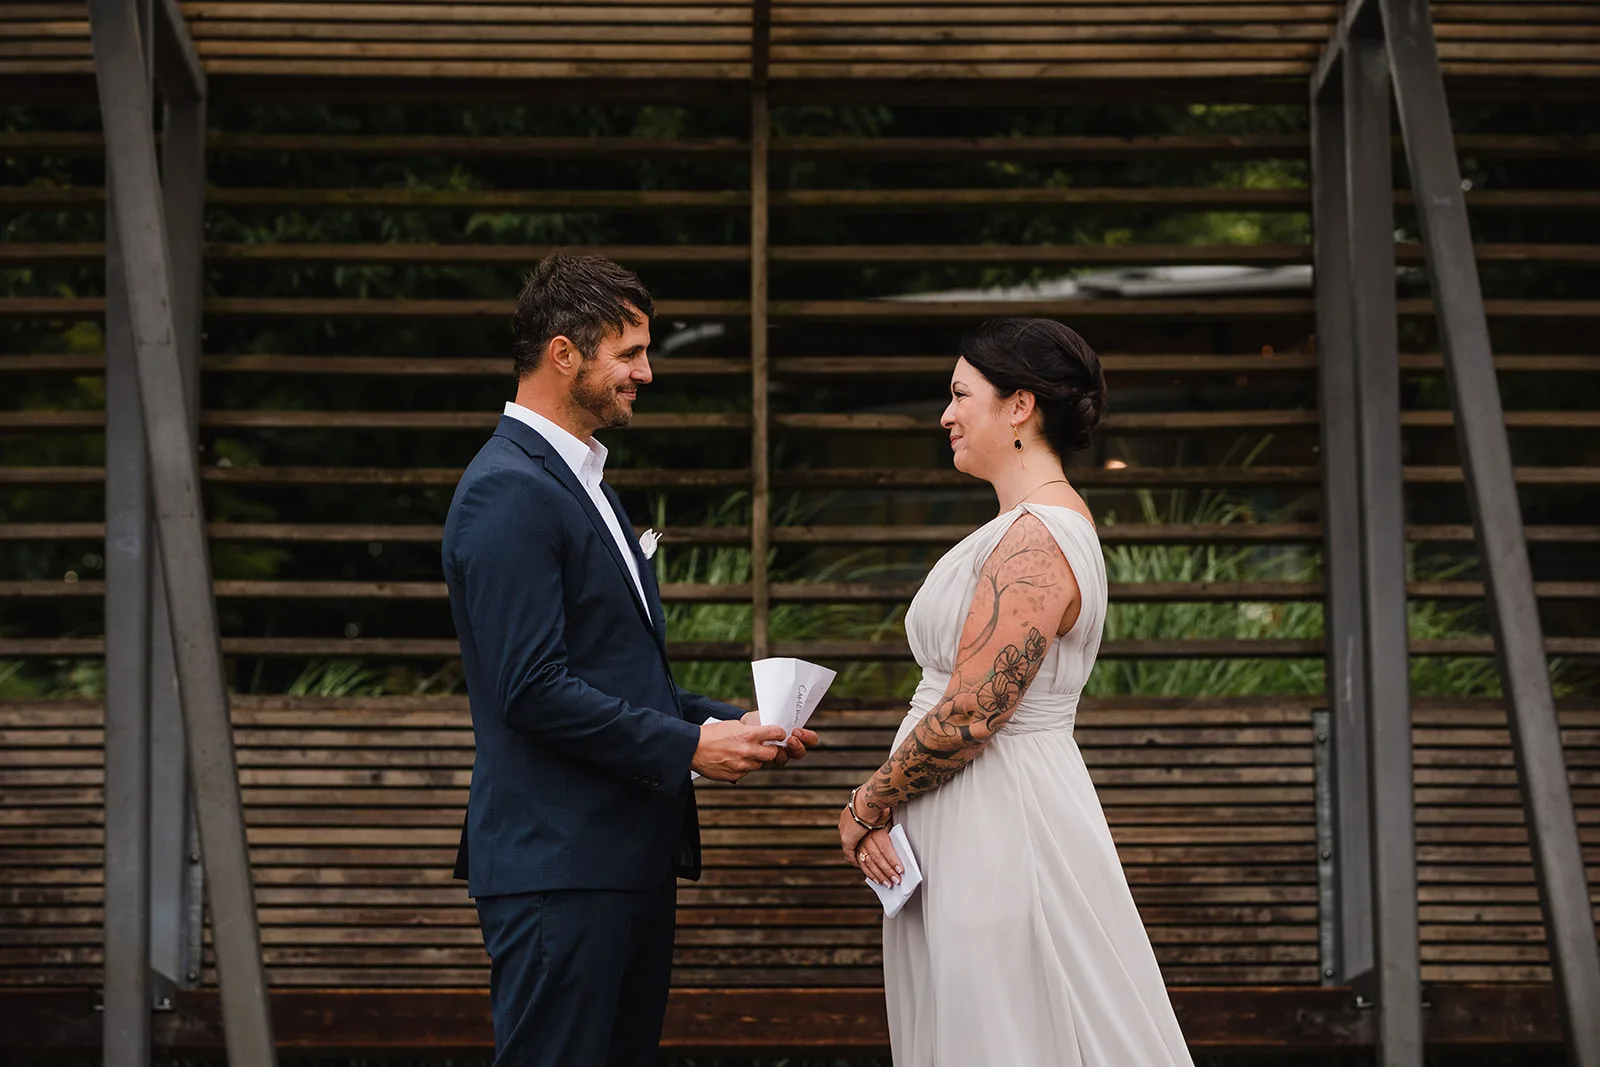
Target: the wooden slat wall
pixel 598 39
pixel 353 802
pixel 810 40
pixel 1103 39
pixel 353 811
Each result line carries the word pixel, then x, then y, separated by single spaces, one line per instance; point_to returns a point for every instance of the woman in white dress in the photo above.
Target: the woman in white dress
pixel 1023 947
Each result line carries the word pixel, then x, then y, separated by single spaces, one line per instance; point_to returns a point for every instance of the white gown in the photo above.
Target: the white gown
pixel 1023 947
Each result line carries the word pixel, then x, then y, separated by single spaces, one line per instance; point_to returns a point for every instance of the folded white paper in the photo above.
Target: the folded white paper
pixel 894 897
pixel 788 690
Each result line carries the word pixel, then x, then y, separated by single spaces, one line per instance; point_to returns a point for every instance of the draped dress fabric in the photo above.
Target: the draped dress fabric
pixel 1023 947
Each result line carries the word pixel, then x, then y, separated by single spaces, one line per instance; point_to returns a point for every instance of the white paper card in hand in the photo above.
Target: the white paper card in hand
pixel 788 690
pixel 894 897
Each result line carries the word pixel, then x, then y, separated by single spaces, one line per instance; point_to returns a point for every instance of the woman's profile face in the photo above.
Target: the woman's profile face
pixel 979 423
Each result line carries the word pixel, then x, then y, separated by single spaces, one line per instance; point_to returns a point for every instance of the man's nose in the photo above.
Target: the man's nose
pixel 642 373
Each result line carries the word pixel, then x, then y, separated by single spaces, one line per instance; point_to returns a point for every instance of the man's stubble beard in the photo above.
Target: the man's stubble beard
pixel 600 401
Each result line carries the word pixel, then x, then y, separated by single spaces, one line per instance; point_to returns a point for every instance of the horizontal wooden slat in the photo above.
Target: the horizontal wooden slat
pixel 484 48
pixel 819 478
pixel 201 13
pixel 885 309
pixel 325 307
pixel 1115 364
pixel 1563 145
pixel 802 592
pixel 1156 477
pixel 904 309
pixel 1109 534
pixel 388 199
pixel 818 255
pixel 307 252
pixel 63 143
pixel 938 39
pixel 1171 198
pixel 626 479
pixel 1262 68
pixel 447 648
pixel 478 38
pixel 479 421
pixel 1303 1017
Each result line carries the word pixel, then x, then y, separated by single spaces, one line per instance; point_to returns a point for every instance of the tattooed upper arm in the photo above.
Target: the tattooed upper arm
pixel 1024 593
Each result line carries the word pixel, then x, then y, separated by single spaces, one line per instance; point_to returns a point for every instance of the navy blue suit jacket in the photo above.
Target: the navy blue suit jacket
pixel 580 779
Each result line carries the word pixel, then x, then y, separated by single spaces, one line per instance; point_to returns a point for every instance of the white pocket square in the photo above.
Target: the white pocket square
pixel 647 543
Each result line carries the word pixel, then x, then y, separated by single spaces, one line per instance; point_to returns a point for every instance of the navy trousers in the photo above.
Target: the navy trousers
pixel 578 977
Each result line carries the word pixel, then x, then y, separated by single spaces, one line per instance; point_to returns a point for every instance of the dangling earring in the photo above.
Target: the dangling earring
pixel 1017 444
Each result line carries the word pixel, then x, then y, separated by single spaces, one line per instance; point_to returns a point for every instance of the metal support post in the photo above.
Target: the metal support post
pixel 129 548
pixel 1328 898
pixel 125 106
pixel 1369 194
pixel 760 423
pixel 1350 909
pixel 1497 520
pixel 175 881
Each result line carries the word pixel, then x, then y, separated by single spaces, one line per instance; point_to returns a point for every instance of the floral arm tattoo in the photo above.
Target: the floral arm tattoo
pixel 1024 590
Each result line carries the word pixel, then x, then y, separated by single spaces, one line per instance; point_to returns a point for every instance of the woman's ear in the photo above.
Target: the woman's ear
pixel 1023 404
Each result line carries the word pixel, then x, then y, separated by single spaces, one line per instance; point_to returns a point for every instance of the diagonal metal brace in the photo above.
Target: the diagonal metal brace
pixel 135 193
pixel 1497 520
pixel 177 64
pixel 1358 15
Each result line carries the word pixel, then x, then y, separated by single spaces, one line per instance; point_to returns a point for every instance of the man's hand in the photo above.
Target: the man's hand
pixel 794 747
pixel 730 750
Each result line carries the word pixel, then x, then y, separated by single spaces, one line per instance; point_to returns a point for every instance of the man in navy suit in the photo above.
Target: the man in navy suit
pixel 581 815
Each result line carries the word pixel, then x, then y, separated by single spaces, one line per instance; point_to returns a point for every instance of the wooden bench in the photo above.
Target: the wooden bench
pixel 353 806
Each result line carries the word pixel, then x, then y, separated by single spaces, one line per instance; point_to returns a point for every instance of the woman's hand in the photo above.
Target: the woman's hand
pixel 852 834
pixel 878 860
pixel 850 837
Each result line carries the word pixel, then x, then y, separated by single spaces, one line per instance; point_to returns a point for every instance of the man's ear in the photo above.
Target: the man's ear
pixel 562 354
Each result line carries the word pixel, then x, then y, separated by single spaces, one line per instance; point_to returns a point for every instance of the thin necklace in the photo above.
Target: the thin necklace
pixel 1036 488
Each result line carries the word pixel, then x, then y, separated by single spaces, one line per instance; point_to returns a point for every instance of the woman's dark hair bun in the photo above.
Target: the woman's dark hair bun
pixel 1053 363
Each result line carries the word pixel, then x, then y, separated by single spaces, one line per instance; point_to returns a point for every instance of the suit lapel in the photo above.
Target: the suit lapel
pixel 647 573
pixel 658 617
pixel 524 436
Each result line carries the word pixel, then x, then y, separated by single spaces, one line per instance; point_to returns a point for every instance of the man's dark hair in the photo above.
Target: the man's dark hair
pixel 578 297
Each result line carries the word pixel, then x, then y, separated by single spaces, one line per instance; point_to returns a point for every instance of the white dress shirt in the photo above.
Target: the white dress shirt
pixel 588 464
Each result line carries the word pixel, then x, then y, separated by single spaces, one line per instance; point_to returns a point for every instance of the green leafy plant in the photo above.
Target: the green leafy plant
pixel 14 682
pixel 730 565
pixel 337 678
pixel 1196 620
